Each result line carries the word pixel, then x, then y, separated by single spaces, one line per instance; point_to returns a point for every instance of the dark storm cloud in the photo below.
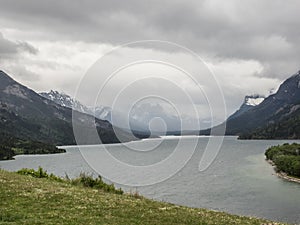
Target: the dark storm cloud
pixel 266 31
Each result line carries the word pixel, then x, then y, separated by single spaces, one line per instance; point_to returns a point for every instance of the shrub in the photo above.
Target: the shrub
pixel 40 173
pixel 83 180
pixel 286 158
pixel 98 183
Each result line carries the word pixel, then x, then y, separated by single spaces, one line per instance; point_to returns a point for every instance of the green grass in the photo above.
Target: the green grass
pixel 30 200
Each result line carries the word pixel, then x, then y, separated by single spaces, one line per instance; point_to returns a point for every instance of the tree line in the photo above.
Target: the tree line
pixel 11 146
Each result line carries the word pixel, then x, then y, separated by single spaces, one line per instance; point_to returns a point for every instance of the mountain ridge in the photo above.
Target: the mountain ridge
pixel 27 115
pixel 266 113
pixel 63 99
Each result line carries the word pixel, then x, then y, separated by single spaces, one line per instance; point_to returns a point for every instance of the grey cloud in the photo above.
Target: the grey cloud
pixel 24 46
pixel 21 72
pixel 266 31
pixel 25 74
pixel 9 49
pixel 11 60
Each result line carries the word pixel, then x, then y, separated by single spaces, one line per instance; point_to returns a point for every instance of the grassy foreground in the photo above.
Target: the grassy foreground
pixel 29 200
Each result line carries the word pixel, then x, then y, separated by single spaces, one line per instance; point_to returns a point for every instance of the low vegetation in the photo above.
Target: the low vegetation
pixel 29 200
pixel 286 158
pixel 84 180
pixel 11 146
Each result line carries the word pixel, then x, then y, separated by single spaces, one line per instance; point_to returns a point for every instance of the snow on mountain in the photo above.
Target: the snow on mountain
pixel 63 100
pixel 101 112
pixel 253 100
pixel 250 101
pixel 138 119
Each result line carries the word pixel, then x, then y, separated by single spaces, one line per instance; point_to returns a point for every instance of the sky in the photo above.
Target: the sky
pixel 249 46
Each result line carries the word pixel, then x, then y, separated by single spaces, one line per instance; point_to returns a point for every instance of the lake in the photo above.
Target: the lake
pixel 239 180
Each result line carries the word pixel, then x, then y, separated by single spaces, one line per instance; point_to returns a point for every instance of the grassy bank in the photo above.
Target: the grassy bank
pixel 30 200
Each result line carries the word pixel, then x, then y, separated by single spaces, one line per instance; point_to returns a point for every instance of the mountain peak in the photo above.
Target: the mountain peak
pixel 4 77
pixel 7 82
pixel 101 112
pixel 3 74
pixel 60 98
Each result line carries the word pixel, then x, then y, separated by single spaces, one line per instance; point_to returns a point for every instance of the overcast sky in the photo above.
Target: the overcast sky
pixel 251 45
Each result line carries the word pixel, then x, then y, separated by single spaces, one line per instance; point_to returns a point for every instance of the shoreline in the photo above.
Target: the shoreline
pixel 283 175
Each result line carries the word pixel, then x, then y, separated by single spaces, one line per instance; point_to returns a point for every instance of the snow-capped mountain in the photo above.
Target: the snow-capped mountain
pixel 100 112
pixel 26 115
pixel 250 101
pixel 277 116
pixel 138 119
pixel 65 100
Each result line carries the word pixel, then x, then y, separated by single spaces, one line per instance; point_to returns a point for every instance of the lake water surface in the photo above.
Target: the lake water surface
pixel 239 181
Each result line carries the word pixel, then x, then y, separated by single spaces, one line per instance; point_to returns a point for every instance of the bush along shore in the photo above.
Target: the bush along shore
pixel 286 160
pixel 26 199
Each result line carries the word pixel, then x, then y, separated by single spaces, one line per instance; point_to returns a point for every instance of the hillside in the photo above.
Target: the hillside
pixel 287 126
pixel 27 115
pixel 28 200
pixel 277 116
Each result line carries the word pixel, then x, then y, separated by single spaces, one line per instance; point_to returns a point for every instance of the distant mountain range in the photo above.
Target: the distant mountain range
pixel 138 118
pixel 276 117
pixel 27 115
pixel 100 112
pixel 47 117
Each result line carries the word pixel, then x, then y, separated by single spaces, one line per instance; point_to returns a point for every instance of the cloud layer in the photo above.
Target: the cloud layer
pixel 266 31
